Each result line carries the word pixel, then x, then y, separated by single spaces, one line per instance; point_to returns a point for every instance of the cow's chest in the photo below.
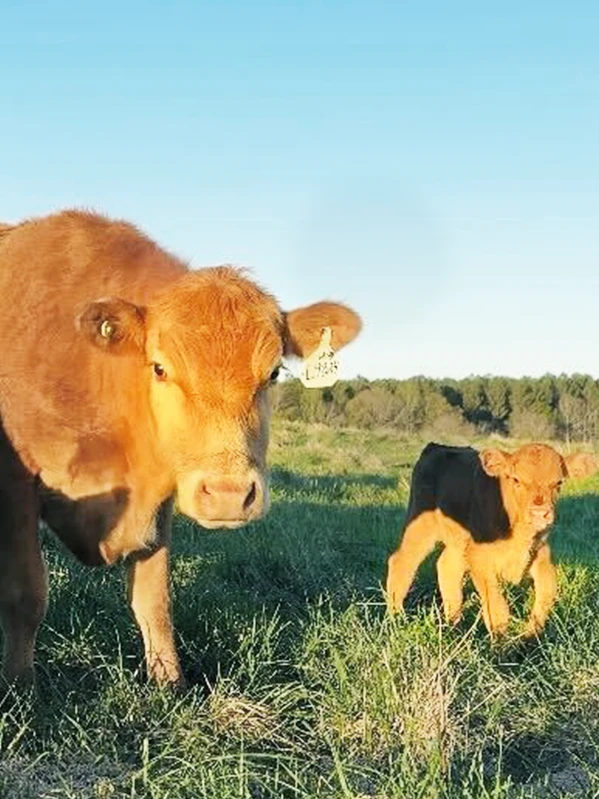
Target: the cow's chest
pixel 513 557
pixel 99 500
pixel 99 528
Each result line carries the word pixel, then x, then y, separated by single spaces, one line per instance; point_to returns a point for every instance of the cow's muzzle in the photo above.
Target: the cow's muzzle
pixel 216 500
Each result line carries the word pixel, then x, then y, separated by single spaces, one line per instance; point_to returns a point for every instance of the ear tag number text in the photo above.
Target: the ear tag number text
pixel 320 369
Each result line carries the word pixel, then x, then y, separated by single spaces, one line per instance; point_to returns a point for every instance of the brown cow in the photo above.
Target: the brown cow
pixel 492 512
pixel 126 377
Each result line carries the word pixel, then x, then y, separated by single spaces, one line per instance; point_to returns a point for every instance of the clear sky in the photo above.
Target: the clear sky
pixel 434 164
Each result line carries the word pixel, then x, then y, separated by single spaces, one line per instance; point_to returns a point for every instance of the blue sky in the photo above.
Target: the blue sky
pixel 434 164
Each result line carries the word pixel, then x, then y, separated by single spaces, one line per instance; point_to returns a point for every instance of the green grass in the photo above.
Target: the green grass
pixel 301 684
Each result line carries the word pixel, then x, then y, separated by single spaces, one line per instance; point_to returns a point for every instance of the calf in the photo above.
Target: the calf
pixel 492 512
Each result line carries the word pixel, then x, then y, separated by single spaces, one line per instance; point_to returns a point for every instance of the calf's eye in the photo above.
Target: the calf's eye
pixel 275 374
pixel 159 371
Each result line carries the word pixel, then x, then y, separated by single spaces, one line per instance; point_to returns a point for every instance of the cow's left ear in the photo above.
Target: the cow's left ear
pixel 581 464
pixel 495 462
pixel 114 325
pixel 303 327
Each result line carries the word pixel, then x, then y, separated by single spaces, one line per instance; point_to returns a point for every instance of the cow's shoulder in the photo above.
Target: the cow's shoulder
pixel 438 461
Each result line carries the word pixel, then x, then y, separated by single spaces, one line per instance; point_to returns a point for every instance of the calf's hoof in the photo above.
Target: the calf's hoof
pixel 453 617
pixel 498 631
pixel 393 606
pixel 533 629
pixel 167 675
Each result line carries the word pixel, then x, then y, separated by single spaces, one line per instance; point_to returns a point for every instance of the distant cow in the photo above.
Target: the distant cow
pixel 492 512
pixel 126 377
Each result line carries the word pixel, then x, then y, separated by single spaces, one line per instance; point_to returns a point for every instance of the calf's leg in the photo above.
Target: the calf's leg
pixel 419 539
pixel 451 568
pixel 149 595
pixel 544 577
pixel 496 612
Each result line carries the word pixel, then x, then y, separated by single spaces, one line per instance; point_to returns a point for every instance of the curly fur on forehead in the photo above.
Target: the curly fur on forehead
pixel 218 326
pixel 216 296
pixel 539 459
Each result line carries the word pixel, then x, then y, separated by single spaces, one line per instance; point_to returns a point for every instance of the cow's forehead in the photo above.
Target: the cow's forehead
pixel 219 296
pixel 217 324
pixel 538 463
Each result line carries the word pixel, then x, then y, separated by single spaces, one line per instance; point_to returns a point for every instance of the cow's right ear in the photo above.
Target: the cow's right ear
pixel 114 325
pixel 494 462
pixel 304 326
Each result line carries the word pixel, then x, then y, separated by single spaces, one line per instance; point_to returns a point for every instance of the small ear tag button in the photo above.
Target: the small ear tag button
pixel 320 369
pixel 107 329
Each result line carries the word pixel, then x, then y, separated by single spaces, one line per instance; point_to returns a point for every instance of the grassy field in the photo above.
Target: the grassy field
pixel 301 685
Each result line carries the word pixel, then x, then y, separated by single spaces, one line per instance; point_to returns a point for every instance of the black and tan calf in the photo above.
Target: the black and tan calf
pixel 492 511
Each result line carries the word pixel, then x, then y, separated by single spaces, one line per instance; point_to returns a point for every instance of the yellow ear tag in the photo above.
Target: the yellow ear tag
pixel 320 369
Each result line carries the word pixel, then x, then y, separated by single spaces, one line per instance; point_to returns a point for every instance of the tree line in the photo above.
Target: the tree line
pixel 550 407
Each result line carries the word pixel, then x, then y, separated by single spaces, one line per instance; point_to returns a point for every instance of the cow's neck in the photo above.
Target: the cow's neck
pixel 518 527
pixel 525 532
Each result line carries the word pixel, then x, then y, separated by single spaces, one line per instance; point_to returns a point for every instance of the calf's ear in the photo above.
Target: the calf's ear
pixel 113 325
pixel 581 464
pixel 494 461
pixel 303 327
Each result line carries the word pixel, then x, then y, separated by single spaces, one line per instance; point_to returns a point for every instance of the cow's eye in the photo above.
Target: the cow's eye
pixel 275 375
pixel 159 371
pixel 516 481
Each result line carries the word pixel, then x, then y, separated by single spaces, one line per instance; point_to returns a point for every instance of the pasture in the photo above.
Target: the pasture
pixel 301 684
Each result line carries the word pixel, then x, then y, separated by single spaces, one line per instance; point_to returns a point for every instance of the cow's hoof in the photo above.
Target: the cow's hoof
pixel 532 630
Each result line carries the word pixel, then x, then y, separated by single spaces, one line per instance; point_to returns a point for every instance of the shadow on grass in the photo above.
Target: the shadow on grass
pixel 305 554
pixel 243 601
pixel 284 478
pixel 226 584
pixel 574 538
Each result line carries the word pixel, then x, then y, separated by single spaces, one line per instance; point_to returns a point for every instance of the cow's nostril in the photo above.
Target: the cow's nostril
pixel 251 497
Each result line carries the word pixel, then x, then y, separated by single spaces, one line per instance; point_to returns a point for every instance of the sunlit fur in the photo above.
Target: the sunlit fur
pixel 218 339
pixel 491 511
pixel 127 377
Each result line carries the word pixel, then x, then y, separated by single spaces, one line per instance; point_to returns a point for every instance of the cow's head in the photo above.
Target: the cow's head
pixel 209 347
pixel 531 478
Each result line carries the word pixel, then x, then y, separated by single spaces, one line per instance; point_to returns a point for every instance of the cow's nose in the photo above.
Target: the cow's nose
pixel 228 499
pixel 225 488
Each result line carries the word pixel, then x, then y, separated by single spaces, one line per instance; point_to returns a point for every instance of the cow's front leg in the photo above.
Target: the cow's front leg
pixel 149 596
pixel 451 568
pixel 23 578
pixel 544 577
pixel 496 612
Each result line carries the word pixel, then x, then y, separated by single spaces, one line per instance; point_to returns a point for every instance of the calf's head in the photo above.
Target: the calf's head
pixel 530 480
pixel 207 349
